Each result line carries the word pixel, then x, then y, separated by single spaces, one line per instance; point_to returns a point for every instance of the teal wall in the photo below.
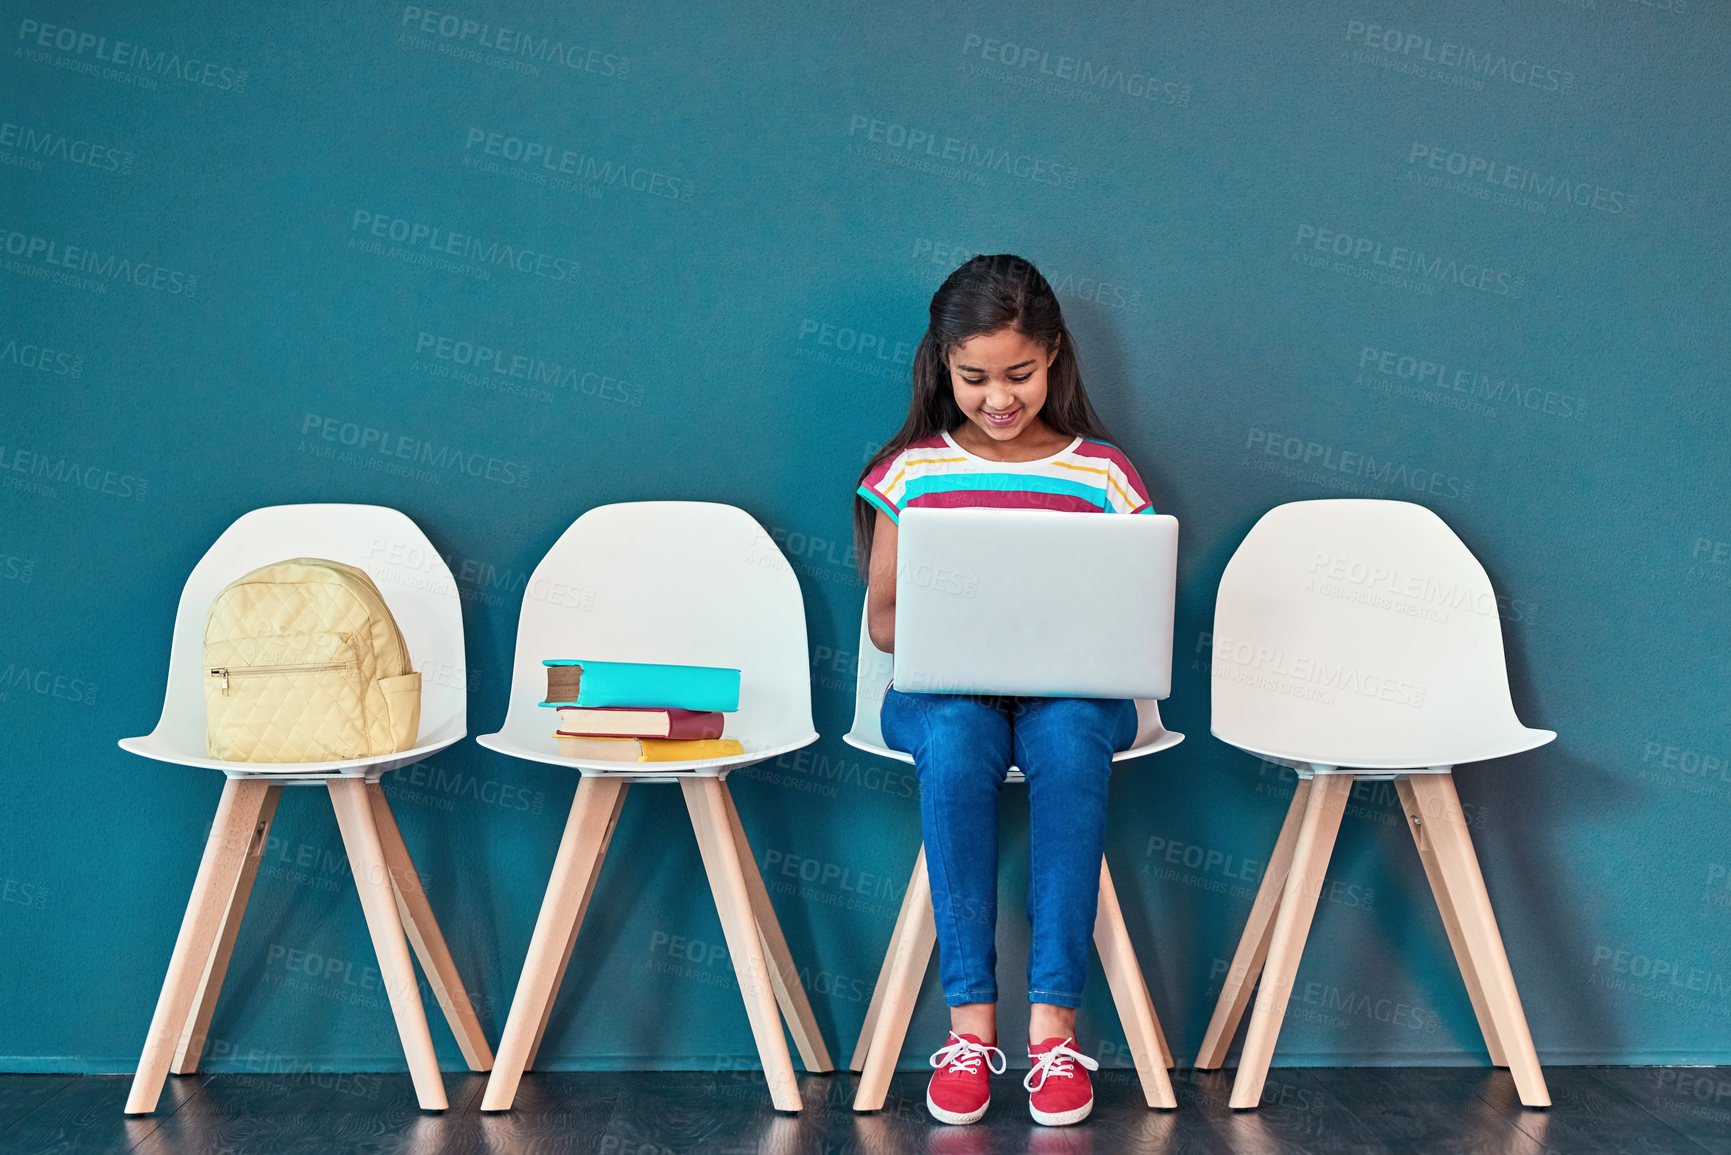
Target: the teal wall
pixel 1484 242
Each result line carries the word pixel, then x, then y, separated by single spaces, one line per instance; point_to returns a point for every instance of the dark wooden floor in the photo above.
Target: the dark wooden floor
pixel 1640 1110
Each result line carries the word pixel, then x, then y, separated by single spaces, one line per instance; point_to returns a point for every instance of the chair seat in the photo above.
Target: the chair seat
pixel 1160 740
pixel 1474 748
pixel 642 771
pixel 153 747
pixel 427 610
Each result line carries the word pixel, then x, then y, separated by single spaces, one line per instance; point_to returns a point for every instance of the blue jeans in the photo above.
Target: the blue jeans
pixel 962 746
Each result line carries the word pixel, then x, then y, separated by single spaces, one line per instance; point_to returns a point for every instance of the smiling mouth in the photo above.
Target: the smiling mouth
pixel 1001 420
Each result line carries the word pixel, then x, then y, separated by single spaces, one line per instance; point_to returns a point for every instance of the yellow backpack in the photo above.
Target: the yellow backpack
pixel 304 663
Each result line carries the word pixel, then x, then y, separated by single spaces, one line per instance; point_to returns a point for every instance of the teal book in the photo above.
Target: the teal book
pixel 644 685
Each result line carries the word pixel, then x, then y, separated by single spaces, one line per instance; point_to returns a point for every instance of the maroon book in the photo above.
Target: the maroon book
pixel 640 722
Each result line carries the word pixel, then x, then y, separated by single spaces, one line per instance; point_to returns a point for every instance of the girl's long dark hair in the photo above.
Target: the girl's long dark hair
pixel 986 294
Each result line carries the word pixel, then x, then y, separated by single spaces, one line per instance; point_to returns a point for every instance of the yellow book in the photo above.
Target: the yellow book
pixel 646 749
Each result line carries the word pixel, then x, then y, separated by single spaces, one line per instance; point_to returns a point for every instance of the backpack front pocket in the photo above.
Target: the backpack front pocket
pixel 286 698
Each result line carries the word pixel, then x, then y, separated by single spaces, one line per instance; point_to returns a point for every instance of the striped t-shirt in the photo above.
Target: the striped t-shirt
pixel 1085 476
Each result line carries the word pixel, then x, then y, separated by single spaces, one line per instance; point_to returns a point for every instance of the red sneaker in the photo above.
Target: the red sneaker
pixel 959 1091
pixel 1059 1092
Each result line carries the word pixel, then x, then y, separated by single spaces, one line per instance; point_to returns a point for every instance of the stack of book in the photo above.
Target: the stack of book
pixel 641 711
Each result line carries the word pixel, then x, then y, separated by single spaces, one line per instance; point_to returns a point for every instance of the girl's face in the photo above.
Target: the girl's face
pixel 999 381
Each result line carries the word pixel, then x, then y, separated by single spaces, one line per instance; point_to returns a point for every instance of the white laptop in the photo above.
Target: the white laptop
pixel 1035 603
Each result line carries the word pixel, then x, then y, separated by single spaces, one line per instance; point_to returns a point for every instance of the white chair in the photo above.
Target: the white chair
pixel 915 934
pixel 685 582
pixel 422 597
pixel 1358 639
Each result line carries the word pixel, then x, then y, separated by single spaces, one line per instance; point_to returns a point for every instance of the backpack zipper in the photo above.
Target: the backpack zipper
pixel 225 672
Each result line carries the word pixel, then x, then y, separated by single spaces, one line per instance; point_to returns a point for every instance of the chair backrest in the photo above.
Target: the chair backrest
pixel 685 582
pixel 872 681
pixel 408 570
pixel 1361 633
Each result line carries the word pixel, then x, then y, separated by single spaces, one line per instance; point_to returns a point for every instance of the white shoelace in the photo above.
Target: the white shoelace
pixel 961 1055
pixel 1055 1062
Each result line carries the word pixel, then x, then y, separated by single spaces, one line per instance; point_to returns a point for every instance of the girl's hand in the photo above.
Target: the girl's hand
pixel 881 586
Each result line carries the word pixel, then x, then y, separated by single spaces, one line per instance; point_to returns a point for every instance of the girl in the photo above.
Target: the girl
pixel 999 418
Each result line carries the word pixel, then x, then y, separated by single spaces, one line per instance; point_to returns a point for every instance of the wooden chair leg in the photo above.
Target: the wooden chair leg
pixel 225 852
pixel 571 939
pixel 703 799
pixel 1316 835
pixel 583 846
pixel 1166 1059
pixel 905 919
pixel 1252 949
pixel 378 901
pixel 1130 994
pixel 1450 919
pixel 426 938
pixel 1439 808
pixel 912 954
pixel 783 974
pixel 192 1037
